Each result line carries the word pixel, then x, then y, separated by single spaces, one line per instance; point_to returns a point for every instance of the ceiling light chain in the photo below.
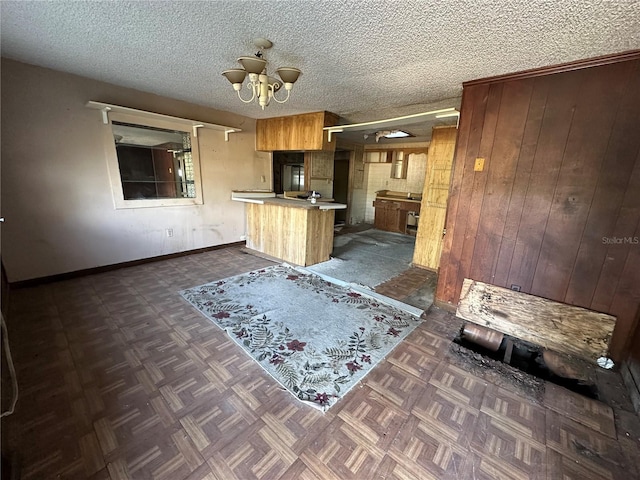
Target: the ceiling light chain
pixel 263 87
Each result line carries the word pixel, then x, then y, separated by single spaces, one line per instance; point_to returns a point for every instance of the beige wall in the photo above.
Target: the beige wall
pixel 56 195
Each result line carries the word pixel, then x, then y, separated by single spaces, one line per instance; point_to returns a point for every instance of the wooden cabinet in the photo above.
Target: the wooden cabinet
pixel 378 156
pixel 397 157
pixel 295 132
pixel 391 215
pixel 387 215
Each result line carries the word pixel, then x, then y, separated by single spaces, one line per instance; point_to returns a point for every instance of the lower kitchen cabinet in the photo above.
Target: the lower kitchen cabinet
pixel 392 215
pixel 389 216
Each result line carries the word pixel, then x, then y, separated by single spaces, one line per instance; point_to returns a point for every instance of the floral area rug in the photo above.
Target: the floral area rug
pixel 315 337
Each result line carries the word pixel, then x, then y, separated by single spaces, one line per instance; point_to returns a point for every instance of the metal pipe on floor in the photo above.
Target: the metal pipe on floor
pixel 485 337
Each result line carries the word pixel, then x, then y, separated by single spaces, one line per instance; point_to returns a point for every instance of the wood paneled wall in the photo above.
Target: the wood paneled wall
pixel 631 371
pixel 556 209
pixel 435 194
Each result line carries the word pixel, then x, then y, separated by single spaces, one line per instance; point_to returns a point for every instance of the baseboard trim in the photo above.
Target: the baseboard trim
pixel 34 282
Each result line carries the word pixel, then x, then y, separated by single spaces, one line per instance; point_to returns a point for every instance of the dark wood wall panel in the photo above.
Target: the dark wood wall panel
pixel 501 164
pixel 623 220
pixel 521 181
pixel 616 169
pixel 561 175
pixel 558 95
pixel 617 254
pixel 591 123
pixel 472 115
pixel 478 192
pixel 625 303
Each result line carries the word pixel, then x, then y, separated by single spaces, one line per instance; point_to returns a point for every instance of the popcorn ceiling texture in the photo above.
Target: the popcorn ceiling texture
pixel 364 60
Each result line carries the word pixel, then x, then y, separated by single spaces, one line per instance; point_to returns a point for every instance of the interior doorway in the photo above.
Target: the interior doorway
pixel 341 183
pixel 288 171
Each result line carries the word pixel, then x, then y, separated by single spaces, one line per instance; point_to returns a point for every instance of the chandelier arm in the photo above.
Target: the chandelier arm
pixel 253 93
pixel 285 99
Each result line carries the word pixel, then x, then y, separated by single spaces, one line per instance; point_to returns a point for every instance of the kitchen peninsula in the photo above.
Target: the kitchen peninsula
pixel 292 230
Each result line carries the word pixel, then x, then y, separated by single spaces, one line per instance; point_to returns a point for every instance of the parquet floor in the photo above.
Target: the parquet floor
pixel 121 379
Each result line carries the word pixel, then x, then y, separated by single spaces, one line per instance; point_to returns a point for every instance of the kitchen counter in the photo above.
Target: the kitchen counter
pixel 240 196
pixel 292 230
pixel 293 203
pixel 410 197
pixel 397 199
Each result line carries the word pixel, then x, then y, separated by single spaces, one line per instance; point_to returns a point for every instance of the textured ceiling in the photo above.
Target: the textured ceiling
pixel 364 60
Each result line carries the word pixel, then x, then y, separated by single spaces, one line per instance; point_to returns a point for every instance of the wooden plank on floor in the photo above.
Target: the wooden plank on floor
pixel 553 325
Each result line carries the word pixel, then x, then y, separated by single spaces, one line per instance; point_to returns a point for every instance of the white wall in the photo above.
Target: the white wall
pixel 56 194
pixel 378 177
pixel 358 206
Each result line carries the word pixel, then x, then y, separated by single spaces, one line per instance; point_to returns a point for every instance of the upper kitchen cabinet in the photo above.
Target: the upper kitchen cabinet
pixel 295 132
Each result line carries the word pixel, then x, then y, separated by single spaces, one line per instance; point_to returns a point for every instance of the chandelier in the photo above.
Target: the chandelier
pixel 262 86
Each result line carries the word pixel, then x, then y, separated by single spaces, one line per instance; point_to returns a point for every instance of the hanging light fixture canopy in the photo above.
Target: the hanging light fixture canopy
pixel 262 86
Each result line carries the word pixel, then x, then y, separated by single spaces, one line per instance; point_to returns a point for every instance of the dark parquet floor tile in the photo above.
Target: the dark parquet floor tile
pixel 121 379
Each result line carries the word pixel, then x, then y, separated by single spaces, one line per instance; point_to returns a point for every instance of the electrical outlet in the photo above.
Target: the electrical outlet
pixel 169 232
pixel 515 288
pixel 479 165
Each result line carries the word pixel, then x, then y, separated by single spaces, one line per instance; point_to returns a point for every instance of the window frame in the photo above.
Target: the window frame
pixel 114 167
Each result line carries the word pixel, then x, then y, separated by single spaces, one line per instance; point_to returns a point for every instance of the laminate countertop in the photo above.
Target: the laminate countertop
pixel 287 202
pixel 397 199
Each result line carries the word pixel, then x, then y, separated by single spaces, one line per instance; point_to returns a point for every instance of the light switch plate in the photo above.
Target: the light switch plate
pixel 479 165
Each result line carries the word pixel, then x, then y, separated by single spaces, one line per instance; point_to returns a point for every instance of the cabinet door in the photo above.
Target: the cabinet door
pixel 387 216
pixel 380 214
pixel 401 220
pixel 302 132
pixel 394 222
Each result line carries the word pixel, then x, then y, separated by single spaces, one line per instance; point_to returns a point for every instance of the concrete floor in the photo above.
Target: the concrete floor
pixel 373 258
pixel 369 257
